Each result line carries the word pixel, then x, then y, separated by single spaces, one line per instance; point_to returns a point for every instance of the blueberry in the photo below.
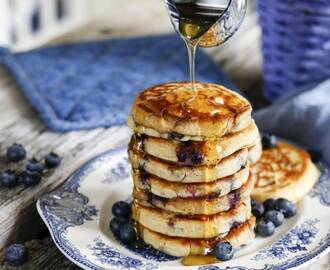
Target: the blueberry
pixel 287 208
pixel 127 234
pixel 258 210
pixel 182 156
pixel 224 251
pixel 8 179
pixel 16 255
pixel 269 141
pixel 35 165
pixel 116 224
pixel 269 204
pixel 121 209
pixel 315 155
pixel 274 216
pixel 30 178
pixel 52 160
pixel 265 228
pixel 16 153
pixel 197 157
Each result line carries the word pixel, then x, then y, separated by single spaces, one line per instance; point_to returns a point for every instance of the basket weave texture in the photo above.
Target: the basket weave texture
pixel 296 44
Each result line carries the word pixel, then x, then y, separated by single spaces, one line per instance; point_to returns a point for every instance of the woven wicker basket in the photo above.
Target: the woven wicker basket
pixel 296 43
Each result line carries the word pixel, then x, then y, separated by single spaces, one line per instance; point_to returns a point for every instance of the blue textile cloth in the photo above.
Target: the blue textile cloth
pixel 302 116
pixel 93 84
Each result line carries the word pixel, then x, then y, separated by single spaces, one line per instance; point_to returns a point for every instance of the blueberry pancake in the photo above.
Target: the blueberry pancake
pixel 170 190
pixel 255 152
pixel 188 174
pixel 190 226
pixel 174 111
pixel 285 171
pixel 240 234
pixel 208 152
pixel 205 205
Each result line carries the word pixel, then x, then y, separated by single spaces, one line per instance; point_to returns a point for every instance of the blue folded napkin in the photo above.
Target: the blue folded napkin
pixel 93 84
pixel 303 116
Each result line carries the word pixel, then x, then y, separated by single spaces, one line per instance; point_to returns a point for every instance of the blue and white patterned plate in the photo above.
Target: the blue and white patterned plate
pixel 78 214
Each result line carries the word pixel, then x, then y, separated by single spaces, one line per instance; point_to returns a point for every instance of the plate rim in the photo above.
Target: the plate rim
pixel 300 262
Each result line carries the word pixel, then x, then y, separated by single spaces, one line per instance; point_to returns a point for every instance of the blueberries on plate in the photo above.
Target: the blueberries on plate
pixel 269 204
pixel 52 160
pixel 35 165
pixel 287 208
pixel 269 141
pixel 8 179
pixel 258 209
pixel 121 209
pixel 224 251
pixel 31 178
pixel 17 254
pixel 272 214
pixel 16 153
pixel 116 223
pixel 275 216
pixel 265 228
pixel 127 234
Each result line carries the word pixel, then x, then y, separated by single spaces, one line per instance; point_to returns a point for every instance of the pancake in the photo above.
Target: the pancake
pixel 284 172
pixel 166 189
pixel 239 235
pixel 207 205
pixel 208 152
pixel 194 226
pixel 173 110
pixel 255 152
pixel 188 174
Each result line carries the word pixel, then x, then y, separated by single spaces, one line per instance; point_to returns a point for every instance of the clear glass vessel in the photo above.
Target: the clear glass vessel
pixel 205 23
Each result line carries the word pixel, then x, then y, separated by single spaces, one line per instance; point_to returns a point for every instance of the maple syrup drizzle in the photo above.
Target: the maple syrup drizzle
pixel 194 260
pixel 177 100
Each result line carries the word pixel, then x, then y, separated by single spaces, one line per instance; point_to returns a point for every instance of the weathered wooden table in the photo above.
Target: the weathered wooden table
pixel 19 221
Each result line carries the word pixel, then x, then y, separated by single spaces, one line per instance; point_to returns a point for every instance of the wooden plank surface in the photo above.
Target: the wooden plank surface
pixel 43 255
pixel 240 58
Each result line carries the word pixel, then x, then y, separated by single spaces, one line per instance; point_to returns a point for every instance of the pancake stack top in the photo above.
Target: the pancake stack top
pixel 190 157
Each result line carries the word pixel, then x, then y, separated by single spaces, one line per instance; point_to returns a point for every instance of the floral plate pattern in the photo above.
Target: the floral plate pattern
pixel 78 213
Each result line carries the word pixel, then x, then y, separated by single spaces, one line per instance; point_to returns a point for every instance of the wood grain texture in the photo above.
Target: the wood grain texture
pixel 43 255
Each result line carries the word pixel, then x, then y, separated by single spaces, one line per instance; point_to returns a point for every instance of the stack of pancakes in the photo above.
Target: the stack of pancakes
pixel 190 155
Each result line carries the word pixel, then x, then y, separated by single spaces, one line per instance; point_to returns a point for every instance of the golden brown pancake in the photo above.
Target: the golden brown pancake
pixel 166 189
pixel 240 234
pixel 188 174
pixel 285 171
pixel 175 111
pixel 208 152
pixel 206 205
pixel 190 226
